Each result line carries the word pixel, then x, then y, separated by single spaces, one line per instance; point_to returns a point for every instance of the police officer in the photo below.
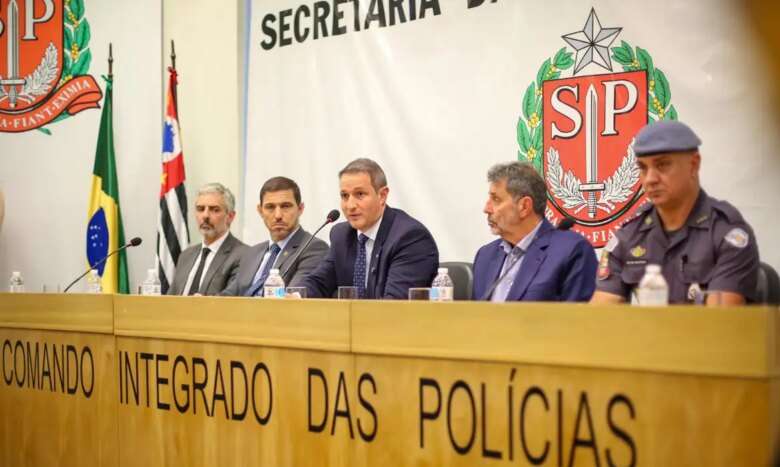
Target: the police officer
pixel 703 245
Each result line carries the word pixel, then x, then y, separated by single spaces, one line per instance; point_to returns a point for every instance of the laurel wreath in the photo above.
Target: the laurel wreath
pixel 529 130
pixel 565 186
pixel 39 82
pixel 617 187
pixel 76 53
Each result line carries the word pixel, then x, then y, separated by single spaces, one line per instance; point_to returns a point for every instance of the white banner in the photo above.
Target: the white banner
pixel 438 91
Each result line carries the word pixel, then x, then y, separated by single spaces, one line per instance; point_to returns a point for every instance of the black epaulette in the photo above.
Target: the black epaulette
pixel 640 214
pixel 727 210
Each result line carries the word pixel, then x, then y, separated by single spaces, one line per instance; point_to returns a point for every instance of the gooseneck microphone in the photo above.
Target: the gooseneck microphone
pixel 134 242
pixel 332 216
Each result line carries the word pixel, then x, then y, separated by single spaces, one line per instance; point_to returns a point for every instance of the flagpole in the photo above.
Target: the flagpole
pixel 173 67
pixel 110 61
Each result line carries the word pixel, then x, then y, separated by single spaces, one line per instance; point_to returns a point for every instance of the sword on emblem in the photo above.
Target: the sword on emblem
pixel 591 185
pixel 13 79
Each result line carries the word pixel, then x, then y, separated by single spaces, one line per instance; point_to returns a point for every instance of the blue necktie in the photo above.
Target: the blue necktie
pixel 257 285
pixel 359 274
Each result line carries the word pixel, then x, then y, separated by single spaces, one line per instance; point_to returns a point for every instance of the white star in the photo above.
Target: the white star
pixel 592 38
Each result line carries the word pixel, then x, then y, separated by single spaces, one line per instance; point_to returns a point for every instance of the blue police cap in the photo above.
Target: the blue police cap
pixel 665 136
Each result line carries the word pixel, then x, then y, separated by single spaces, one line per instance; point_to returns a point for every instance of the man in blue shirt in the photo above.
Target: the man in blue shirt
pixel 532 260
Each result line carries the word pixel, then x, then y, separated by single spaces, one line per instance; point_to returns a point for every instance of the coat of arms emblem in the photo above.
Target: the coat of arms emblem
pixel 578 130
pixel 44 58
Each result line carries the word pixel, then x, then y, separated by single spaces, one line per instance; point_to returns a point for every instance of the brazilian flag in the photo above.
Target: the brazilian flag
pixel 104 229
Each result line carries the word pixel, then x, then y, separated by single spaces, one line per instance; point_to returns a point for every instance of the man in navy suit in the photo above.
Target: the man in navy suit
pixel 380 250
pixel 532 261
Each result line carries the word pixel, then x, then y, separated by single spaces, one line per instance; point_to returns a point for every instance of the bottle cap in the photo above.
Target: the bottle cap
pixel 274 271
pixel 443 270
pixel 653 268
pixel 16 274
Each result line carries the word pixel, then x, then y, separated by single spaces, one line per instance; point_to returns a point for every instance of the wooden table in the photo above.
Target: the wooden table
pixel 194 381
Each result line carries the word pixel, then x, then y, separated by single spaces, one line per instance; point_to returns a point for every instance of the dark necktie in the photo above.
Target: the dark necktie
pixel 196 280
pixel 359 274
pixel 257 286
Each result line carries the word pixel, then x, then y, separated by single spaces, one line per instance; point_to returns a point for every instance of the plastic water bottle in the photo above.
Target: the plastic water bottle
pixel 93 282
pixel 652 290
pixel 151 286
pixel 16 284
pixel 442 287
pixel 274 285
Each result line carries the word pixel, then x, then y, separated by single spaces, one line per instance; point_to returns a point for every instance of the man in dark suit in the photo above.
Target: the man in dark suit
pixel 532 260
pixel 380 250
pixel 207 268
pixel 280 207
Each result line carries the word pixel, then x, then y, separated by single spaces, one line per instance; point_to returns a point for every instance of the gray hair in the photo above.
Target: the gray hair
pixel 227 195
pixel 365 165
pixel 522 179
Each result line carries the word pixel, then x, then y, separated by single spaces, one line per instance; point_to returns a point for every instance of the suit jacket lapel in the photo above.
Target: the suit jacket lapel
pixel 534 258
pixel 187 263
pixel 289 250
pixel 216 263
pixel 495 263
pixel 376 252
pixel 252 267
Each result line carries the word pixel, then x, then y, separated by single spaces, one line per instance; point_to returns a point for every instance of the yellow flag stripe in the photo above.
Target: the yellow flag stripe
pixel 99 199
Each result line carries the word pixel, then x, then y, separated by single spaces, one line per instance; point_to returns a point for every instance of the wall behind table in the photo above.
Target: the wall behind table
pixel 436 101
pixel 208 38
pixel 47 179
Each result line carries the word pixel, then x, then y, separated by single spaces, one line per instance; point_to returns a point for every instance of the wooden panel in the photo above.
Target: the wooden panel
pixel 304 324
pixel 477 412
pixel 502 414
pixel 200 381
pixel 58 400
pixel 203 428
pixel 693 340
pixel 64 312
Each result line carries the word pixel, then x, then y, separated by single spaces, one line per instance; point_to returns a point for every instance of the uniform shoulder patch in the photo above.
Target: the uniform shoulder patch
pixel 611 244
pixel 603 270
pixel 737 237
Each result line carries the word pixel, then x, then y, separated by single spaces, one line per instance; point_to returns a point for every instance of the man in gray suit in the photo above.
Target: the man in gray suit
pixel 280 207
pixel 207 268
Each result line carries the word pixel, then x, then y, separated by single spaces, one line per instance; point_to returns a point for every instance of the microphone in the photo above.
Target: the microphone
pixel 330 218
pixel 565 224
pixel 134 242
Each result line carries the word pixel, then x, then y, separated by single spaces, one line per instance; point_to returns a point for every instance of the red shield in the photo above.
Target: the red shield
pixel 589 165
pixel 31 55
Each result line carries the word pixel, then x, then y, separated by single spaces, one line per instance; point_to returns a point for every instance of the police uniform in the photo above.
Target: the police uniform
pixel 715 249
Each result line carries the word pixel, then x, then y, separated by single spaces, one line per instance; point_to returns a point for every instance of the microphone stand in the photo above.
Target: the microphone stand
pixel 305 245
pixel 94 266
